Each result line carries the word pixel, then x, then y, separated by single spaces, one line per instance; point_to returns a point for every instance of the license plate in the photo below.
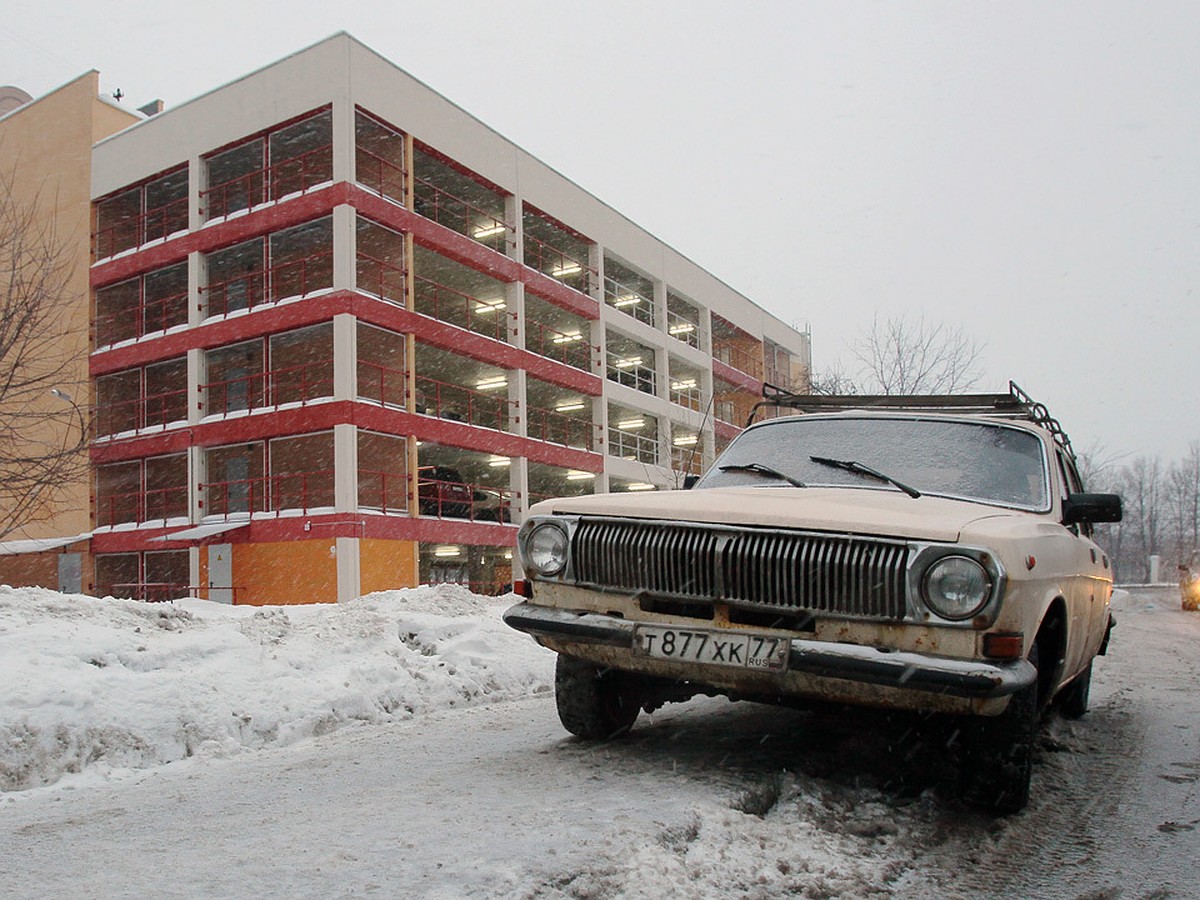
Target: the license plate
pixel 721 648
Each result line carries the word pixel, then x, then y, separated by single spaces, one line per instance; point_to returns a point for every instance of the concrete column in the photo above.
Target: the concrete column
pixel 349 583
pixel 197 475
pixel 197 300
pixel 518 407
pixel 514 296
pixel 515 245
pixel 345 250
pixel 660 305
pixel 518 483
pixel 343 139
pixel 345 357
pixel 345 468
pixel 197 374
pixel 197 184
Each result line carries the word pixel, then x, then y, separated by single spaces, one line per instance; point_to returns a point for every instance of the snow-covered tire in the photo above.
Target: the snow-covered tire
pixel 997 764
pixel 593 702
pixel 1073 699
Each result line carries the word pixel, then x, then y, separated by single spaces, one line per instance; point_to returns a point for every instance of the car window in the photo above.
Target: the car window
pixel 994 463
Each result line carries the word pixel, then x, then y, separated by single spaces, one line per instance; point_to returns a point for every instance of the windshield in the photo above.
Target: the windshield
pixel 994 463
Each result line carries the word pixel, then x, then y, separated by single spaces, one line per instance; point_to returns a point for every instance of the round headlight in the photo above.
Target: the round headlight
pixel 957 587
pixel 546 549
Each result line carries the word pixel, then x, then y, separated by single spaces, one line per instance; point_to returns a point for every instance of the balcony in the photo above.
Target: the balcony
pixel 298 491
pixel 633 367
pixel 267 390
pixel 460 404
pixel 147 212
pixel 450 196
pixel 292 278
pixel 488 316
pixel 629 292
pixel 286 160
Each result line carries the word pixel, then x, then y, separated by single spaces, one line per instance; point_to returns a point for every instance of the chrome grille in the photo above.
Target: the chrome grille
pixel 778 570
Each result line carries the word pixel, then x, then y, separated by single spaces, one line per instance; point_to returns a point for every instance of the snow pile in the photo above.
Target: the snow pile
pixel 98 685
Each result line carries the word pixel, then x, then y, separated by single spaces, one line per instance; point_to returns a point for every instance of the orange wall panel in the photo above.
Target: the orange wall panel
pixel 285 573
pixel 387 565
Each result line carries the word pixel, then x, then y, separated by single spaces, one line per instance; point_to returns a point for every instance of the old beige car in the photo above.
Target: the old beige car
pixel 930 554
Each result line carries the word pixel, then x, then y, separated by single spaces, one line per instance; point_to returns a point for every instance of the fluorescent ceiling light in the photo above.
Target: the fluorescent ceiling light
pixel 489 384
pixel 632 424
pixel 499 462
pixel 627 300
pixel 683 385
pixel 568 338
pixel 488 306
pixel 569 407
pixel 485 231
pixel 629 362
pixel 567 269
pixel 639 486
pixel 685 328
pixel 447 551
pixel 580 476
pixel 686 440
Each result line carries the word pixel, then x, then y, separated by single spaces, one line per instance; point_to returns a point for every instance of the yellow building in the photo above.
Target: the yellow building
pixel 46 157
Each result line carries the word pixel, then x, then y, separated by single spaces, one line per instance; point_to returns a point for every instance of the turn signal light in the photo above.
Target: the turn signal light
pixel 523 589
pixel 1004 646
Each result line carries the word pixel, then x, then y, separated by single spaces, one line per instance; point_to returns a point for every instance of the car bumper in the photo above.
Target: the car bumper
pixel 969 679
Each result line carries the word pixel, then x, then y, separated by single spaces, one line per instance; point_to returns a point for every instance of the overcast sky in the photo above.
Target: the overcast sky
pixel 1025 170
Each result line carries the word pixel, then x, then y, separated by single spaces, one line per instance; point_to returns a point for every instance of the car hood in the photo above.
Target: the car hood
pixel 884 513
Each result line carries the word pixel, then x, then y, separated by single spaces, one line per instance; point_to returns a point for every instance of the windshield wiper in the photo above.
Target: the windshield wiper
pixel 762 469
pixel 851 466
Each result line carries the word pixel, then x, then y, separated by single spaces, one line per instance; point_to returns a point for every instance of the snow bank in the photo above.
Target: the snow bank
pixel 90 685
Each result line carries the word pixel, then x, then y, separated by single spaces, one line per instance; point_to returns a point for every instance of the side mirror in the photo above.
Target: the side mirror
pixel 1091 508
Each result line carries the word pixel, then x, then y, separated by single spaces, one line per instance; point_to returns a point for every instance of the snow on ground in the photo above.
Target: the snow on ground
pixel 452 795
pixel 93 685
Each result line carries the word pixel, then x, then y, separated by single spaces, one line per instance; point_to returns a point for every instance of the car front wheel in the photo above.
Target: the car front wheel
pixel 594 702
pixel 998 760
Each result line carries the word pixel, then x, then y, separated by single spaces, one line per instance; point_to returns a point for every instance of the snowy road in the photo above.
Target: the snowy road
pixel 708 799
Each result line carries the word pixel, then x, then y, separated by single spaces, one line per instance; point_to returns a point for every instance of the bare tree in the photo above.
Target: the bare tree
pixel 43 430
pixel 899 355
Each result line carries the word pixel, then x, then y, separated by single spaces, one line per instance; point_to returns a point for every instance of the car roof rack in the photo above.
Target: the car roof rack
pixel 1016 404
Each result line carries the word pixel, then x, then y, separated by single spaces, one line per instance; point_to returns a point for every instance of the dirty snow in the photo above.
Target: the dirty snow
pixel 89 686
pixel 406 744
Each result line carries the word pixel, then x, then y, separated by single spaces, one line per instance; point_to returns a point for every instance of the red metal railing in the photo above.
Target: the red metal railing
pixel 559 265
pixel 558 428
pixel 384 280
pixel 141 506
pixel 450 499
pixel 457 308
pixel 158 591
pixel 387 492
pixel 153 224
pixel 460 215
pixel 293 384
pixel 381 175
pixel 742 360
pixel 293 278
pixel 299 491
pixel 571 349
pixel 382 384
pixel 289 176
pixel 141 412
pixel 632 302
pixel 149 317
pixel 452 401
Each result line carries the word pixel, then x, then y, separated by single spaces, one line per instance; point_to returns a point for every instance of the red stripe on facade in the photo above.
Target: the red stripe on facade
pixel 265 219
pixel 736 377
pixel 316 417
pixel 291 528
pixel 725 430
pixel 262 320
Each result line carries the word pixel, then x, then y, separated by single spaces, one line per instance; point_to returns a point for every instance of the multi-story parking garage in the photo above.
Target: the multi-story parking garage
pixel 344 334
